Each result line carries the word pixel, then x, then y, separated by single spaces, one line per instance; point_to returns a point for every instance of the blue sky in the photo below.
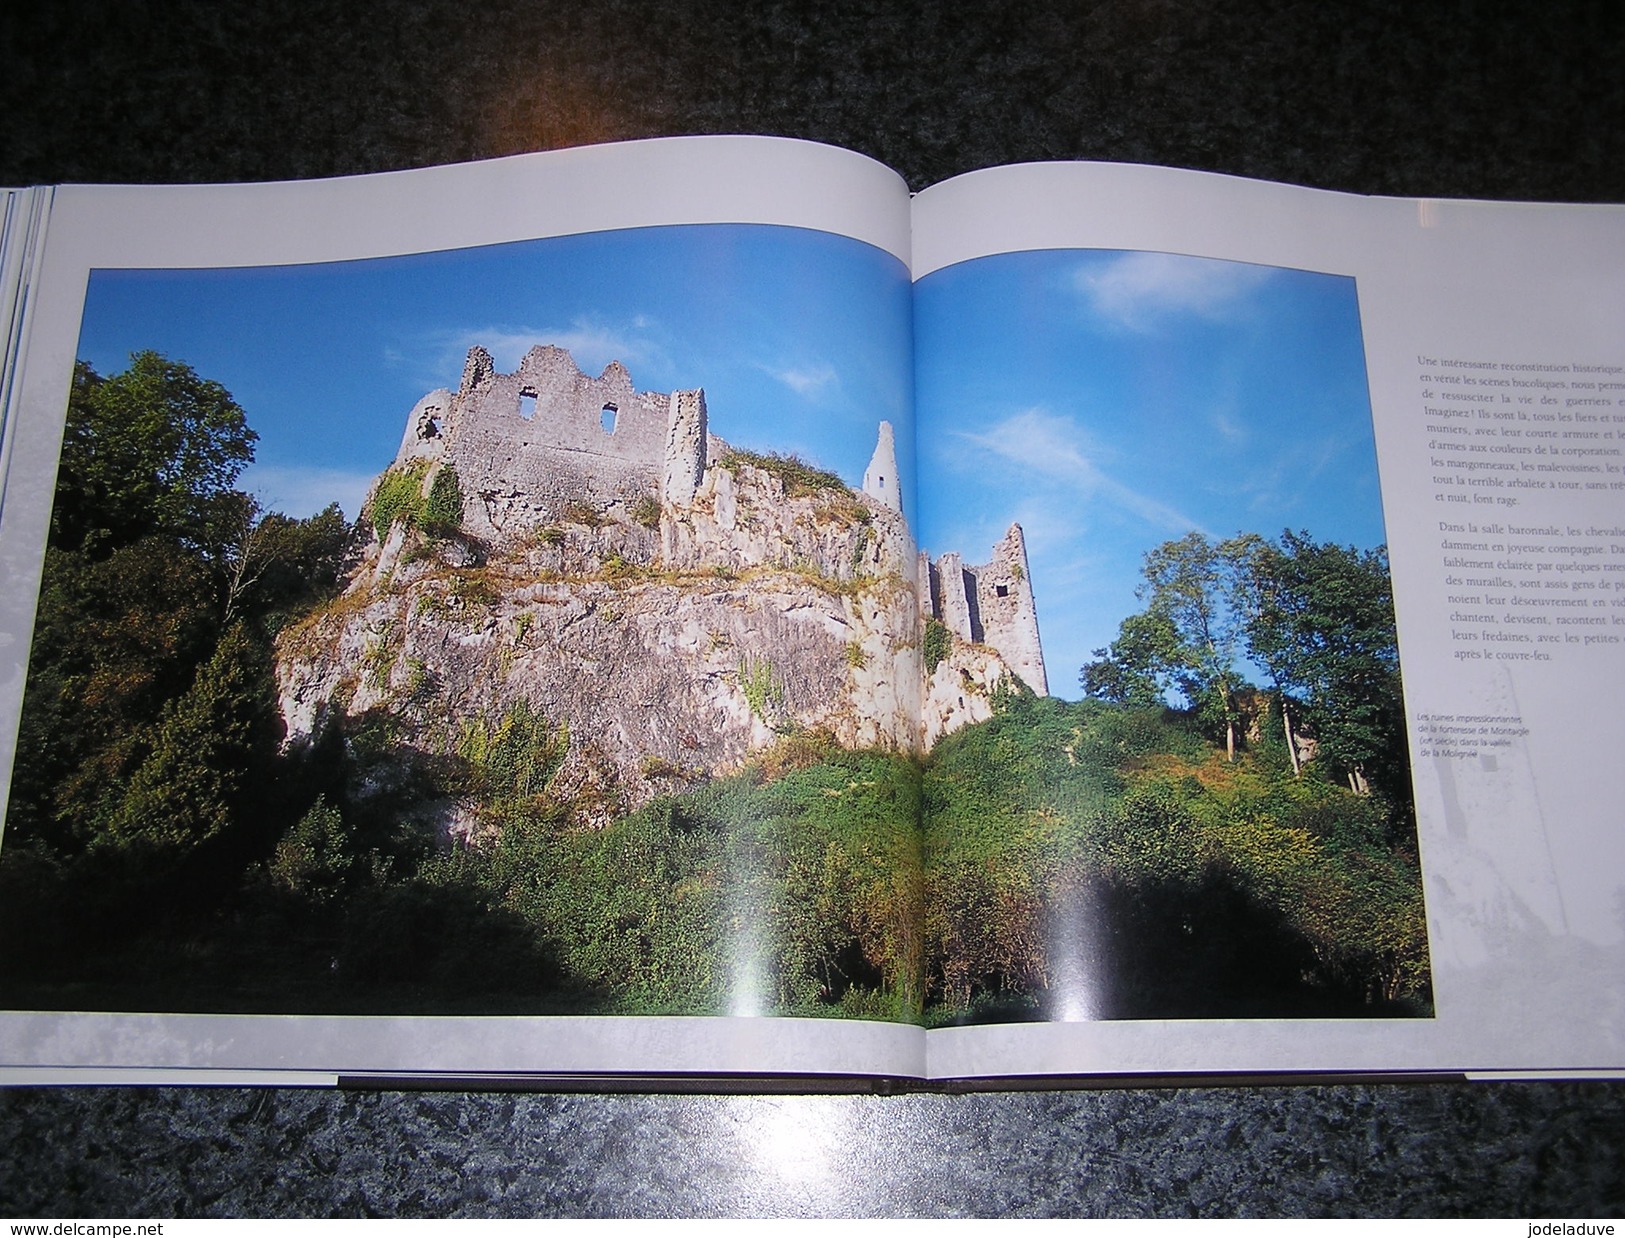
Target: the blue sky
pixel 800 339
pixel 1107 401
pixel 1111 401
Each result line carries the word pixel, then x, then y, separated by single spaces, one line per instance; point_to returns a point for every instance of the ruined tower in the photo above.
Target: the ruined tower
pixel 1008 614
pixel 880 478
pixel 991 604
pixel 685 448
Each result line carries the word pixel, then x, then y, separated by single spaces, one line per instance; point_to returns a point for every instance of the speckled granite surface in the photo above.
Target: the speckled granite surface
pixel 1518 1150
pixel 1463 99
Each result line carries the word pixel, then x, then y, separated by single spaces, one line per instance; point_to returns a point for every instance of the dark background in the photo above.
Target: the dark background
pixel 1482 100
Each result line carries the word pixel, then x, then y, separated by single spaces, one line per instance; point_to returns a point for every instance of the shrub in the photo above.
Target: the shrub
pixel 580 511
pixel 443 509
pixel 760 684
pixel 517 756
pixel 398 497
pixel 938 641
pixel 474 589
pixel 315 857
pixel 798 478
pixel 616 569
pixel 645 510
pixel 654 768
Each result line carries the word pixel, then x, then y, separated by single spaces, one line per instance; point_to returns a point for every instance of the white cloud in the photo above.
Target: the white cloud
pixel 807 381
pixel 1055 449
pixel 1282 483
pixel 1227 426
pixel 301 492
pixel 1139 289
pixel 593 344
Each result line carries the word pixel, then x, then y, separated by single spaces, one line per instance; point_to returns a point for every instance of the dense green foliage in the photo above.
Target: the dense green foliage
pixel 397 498
pixel 443 508
pixel 1319 879
pixel 287 565
pixel 200 757
pixel 1107 860
pixel 1103 858
pixel 400 497
pixel 155 449
pixel 1323 626
pixel 147 744
pixel 789 890
pixel 150 660
pixel 938 643
pixel 1317 618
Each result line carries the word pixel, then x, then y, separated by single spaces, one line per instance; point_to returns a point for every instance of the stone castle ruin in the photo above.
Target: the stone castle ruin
pixel 990 604
pixel 675 603
pixel 528 444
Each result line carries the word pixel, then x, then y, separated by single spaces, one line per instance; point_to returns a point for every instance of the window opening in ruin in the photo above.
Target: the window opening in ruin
pixel 1002 590
pixel 607 418
pixel 527 404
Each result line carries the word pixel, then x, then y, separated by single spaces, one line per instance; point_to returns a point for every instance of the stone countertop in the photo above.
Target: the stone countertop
pixel 1387 97
pixel 1517 1150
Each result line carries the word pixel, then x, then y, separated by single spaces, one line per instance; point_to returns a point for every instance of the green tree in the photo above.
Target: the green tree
pixel 1188 640
pixel 1322 624
pixel 317 856
pixel 143 707
pixel 114 639
pixel 277 563
pixel 1130 671
pixel 155 449
pixel 201 757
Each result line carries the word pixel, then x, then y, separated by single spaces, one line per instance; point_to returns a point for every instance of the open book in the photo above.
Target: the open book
pixel 687 610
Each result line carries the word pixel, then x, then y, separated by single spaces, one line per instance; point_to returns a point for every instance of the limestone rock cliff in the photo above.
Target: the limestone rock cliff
pixel 662 673
pixel 672 604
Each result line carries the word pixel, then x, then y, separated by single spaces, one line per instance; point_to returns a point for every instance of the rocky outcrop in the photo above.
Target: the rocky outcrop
pixel 778 614
pixel 674 613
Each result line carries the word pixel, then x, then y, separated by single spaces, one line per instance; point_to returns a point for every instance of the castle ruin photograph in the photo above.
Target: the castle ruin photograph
pixel 619 624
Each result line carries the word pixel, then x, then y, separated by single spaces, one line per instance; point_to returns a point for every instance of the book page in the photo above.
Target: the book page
pixel 462 593
pixel 1268 447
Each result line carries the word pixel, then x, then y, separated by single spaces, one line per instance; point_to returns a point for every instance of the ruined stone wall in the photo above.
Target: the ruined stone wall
pixel 951 593
pixel 671 638
pixel 991 604
pixel 1006 612
pixel 528 445
pixel 685 455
